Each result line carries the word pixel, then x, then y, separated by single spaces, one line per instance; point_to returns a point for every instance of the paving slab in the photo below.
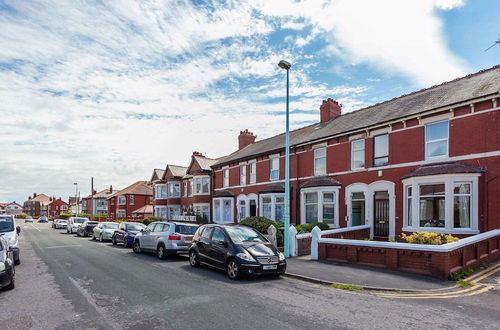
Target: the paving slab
pixel 368 277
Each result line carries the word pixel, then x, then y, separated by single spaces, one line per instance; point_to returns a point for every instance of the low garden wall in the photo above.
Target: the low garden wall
pixel 435 260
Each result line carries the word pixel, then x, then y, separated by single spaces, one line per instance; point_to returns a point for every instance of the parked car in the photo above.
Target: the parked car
pixel 165 238
pixel 104 231
pixel 7 269
pixel 87 228
pixel 10 233
pixel 239 250
pixel 62 224
pixel 126 233
pixel 43 220
pixel 74 223
pixel 28 219
pixel 54 223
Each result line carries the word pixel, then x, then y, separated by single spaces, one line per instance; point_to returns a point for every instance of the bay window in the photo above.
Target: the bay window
pixel 357 154
pixel 223 210
pixel 160 191
pixel 436 140
pixel 174 190
pixel 320 161
pixel 274 168
pixel 445 204
pixel 272 206
pixel 201 185
pixel 202 210
pixel 320 204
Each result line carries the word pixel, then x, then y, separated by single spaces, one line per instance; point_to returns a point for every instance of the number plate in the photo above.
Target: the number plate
pixel 269 267
pixel 188 238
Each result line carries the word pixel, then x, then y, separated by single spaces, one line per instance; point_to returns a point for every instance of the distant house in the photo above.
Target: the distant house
pixel 99 201
pixel 123 203
pixel 36 205
pixel 13 208
pixel 143 211
pixel 56 207
pixel 2 207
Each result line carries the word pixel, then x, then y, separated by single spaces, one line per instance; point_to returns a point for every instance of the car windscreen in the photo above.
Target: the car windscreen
pixel 79 220
pixel 6 224
pixel 110 226
pixel 244 234
pixel 62 221
pixel 92 223
pixel 186 230
pixel 135 226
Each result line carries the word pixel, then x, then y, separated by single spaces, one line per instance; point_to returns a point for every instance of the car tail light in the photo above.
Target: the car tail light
pixel 174 237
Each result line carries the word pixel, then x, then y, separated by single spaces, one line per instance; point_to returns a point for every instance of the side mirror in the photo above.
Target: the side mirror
pixel 18 230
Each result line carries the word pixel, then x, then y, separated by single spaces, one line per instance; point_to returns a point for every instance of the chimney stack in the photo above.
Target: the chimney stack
pixel 329 109
pixel 110 189
pixel 245 138
pixel 197 153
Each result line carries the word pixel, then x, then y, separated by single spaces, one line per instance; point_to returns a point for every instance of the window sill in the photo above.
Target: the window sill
pixel 464 231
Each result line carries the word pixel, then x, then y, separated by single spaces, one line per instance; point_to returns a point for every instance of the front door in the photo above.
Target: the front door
pixel 357 209
pixel 253 207
pixel 381 214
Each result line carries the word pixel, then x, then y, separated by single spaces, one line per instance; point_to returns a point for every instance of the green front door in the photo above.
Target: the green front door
pixel 358 213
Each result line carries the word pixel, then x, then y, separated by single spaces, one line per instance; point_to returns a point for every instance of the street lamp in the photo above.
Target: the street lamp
pixel 76 194
pixel 286 66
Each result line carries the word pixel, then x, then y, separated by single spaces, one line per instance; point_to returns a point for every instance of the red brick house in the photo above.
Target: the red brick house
pixel 123 203
pixel 167 191
pixel 428 160
pixel 56 207
pixel 99 199
pixel 36 205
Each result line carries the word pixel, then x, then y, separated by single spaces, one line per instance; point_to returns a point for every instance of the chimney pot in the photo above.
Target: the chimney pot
pixel 329 109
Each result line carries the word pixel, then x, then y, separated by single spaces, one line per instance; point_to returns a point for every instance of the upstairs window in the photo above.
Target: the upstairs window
pixel 174 189
pixel 243 175
pixel 320 161
pixel 225 177
pixel 436 140
pixel 253 172
pixel 381 150
pixel 357 154
pixel 274 168
pixel 160 191
pixel 131 199
pixel 185 188
pixel 201 185
pixel 121 200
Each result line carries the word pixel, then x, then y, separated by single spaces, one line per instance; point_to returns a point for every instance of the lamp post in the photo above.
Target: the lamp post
pixel 76 196
pixel 286 66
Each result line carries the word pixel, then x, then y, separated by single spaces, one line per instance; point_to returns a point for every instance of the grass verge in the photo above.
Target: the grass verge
pixel 348 287
pixel 464 284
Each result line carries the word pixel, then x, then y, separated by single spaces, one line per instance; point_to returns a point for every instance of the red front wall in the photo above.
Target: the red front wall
pixel 468 135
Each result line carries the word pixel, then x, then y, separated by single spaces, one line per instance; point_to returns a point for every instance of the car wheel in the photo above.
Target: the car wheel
pixel 233 269
pixel 17 262
pixel 113 240
pixel 137 247
pixel 160 252
pixel 12 284
pixel 125 242
pixel 193 259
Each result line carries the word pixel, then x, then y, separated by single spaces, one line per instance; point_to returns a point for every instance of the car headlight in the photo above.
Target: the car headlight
pixel 13 240
pixel 245 256
pixel 2 266
pixel 281 256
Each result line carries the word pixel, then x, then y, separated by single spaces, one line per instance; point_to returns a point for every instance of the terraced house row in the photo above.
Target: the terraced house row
pixel 429 160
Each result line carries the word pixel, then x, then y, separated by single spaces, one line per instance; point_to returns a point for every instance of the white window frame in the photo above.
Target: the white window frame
pixel 131 199
pixel 320 191
pixel 121 213
pixel 220 217
pixel 253 172
pixel 317 159
pixel 273 197
pixel 198 209
pixel 243 175
pixel 447 139
pixel 173 210
pixel 185 183
pixel 122 200
pixel 161 211
pixel 171 191
pixel 449 181
pixel 374 150
pixel 198 181
pixel 225 177
pixel 353 150
pixel 274 159
pixel 160 191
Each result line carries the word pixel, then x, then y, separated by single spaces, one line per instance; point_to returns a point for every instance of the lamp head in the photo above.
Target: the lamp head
pixel 284 65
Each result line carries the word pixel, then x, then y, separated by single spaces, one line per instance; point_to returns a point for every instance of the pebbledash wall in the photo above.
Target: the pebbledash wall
pixel 439 170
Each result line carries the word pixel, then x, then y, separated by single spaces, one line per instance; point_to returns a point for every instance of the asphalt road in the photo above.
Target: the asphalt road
pixel 65 282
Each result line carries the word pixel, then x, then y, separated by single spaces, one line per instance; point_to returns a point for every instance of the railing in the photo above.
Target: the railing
pixel 186 218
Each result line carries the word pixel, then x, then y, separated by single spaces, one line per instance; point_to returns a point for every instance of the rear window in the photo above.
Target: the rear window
pixel 79 220
pixel 135 226
pixel 186 230
pixel 6 224
pixel 92 223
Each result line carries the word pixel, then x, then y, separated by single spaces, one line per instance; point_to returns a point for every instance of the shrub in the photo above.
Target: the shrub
pixel 460 274
pixel 261 224
pixel 308 227
pixel 150 219
pixel 423 237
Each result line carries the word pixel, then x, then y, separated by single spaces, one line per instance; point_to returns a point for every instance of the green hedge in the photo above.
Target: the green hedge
pixel 150 219
pixel 308 227
pixel 83 215
pixel 261 224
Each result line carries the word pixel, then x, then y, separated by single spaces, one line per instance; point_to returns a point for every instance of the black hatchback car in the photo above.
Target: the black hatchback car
pixel 239 250
pixel 7 270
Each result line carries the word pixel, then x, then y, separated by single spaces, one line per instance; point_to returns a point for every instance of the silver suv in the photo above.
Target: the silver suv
pixel 165 238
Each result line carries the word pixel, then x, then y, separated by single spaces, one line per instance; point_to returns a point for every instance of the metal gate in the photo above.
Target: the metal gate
pixel 381 214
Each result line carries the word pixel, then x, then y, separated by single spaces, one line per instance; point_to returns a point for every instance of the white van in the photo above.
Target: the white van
pixel 74 223
pixel 10 233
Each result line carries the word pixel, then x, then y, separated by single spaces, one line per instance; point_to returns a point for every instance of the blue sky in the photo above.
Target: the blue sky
pixel 113 89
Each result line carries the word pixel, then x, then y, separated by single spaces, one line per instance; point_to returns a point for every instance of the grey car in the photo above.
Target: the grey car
pixel 165 238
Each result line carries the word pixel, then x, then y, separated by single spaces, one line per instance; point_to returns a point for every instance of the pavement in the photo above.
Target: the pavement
pixel 68 282
pixel 366 277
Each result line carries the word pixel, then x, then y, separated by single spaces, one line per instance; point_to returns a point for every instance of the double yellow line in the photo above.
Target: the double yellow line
pixel 476 288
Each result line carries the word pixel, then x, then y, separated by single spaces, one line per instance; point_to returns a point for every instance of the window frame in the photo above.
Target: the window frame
pixel 225 177
pixel 447 139
pixel 375 157
pixel 273 197
pixel 272 160
pixel 199 181
pixel 243 175
pixel 253 172
pixel 353 150
pixel 218 213
pixel 321 191
pixel 171 194
pixel 121 200
pixel 322 158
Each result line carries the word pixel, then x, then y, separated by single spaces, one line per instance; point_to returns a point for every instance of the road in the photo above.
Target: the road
pixel 65 282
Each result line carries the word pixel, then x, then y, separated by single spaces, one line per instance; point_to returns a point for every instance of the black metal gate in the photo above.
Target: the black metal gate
pixel 381 214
